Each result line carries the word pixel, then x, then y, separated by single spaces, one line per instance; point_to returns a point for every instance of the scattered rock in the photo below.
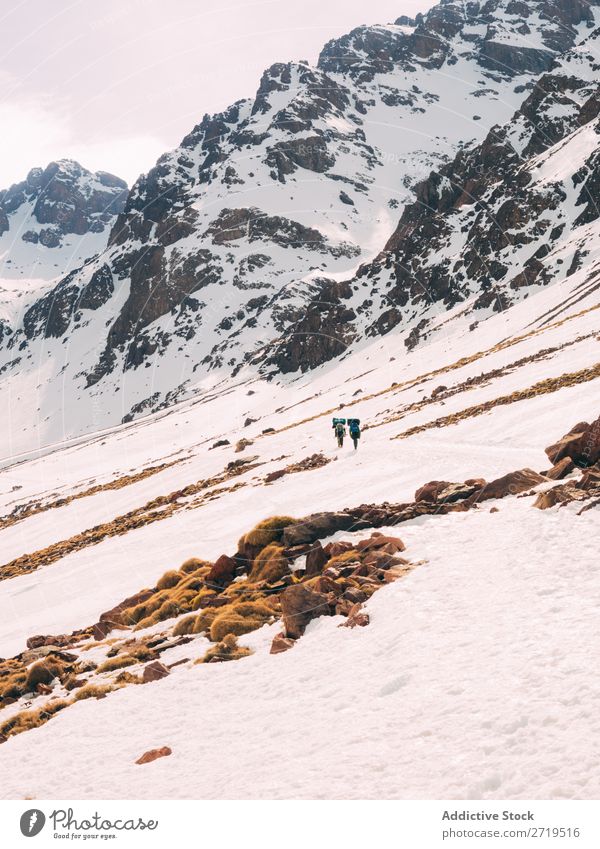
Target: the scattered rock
pixel 242 444
pixel 154 672
pixel 114 618
pixel 356 618
pixel 38 641
pixel 390 544
pixel 320 525
pixel 510 484
pixel 153 754
pixel 281 643
pixel 586 487
pixel 581 444
pixel 222 571
pixel 299 605
pixel 273 476
pixel 100 630
pixel 560 470
pixel 430 491
pixel 333 549
pixel 219 443
pixel 444 492
pixel 315 560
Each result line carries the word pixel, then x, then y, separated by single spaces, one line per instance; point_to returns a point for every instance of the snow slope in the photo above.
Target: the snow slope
pixel 472 680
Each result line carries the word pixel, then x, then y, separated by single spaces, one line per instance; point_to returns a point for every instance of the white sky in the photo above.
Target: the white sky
pixel 115 83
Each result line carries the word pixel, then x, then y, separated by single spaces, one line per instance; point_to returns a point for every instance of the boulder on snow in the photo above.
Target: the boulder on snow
pixel 444 492
pixel 334 549
pixel 154 672
pixel 581 444
pixel 560 470
pixel 511 484
pixel 113 618
pixel 390 545
pixel 429 491
pixel 300 604
pixel 100 630
pixel 382 559
pixel 356 618
pixel 316 559
pixel 222 571
pixel 586 487
pixel 39 640
pixel 153 754
pixel 280 644
pixel 317 526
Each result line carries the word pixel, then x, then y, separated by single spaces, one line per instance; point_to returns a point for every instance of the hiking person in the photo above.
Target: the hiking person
pixel 354 428
pixel 339 428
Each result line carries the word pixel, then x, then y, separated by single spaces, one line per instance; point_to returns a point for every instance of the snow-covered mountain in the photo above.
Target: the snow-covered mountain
pixel 51 223
pixel 504 218
pixel 241 247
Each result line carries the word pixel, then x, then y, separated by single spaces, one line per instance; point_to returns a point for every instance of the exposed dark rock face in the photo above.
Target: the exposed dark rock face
pixel 490 204
pixel 323 330
pixel 68 198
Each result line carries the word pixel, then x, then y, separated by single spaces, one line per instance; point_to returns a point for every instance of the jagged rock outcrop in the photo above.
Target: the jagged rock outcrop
pixel 493 223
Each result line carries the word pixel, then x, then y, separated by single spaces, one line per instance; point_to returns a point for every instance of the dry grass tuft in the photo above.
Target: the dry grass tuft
pixel 269 565
pixel 184 626
pixel 343 558
pixel 193 564
pixel 118 662
pixel 93 691
pixel 168 580
pixel 227 649
pixel 127 677
pixel 239 619
pixel 267 531
pixel 204 620
pixel 44 672
pixel 28 719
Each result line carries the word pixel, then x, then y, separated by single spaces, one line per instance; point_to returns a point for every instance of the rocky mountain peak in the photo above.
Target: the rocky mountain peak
pixel 66 197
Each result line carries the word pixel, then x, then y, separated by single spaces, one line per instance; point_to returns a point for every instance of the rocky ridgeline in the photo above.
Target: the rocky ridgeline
pixel 64 198
pixel 489 227
pixel 280 572
pixel 223 253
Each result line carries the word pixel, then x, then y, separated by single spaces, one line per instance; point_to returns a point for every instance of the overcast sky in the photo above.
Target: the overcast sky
pixel 115 83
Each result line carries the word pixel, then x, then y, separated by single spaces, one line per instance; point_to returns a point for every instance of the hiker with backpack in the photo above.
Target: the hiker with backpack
pixel 354 428
pixel 339 429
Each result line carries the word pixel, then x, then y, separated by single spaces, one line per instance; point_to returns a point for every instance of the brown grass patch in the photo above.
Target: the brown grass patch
pixel 168 580
pixel 44 672
pixel 118 662
pixel 227 649
pixel 267 531
pixel 543 387
pixel 28 719
pixel 184 626
pixel 270 565
pixel 93 691
pixel 239 619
